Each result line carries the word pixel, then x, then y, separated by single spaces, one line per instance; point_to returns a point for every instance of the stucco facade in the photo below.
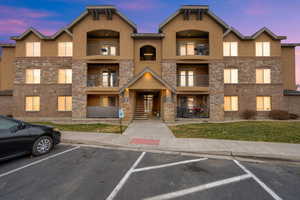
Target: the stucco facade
pixel 173 74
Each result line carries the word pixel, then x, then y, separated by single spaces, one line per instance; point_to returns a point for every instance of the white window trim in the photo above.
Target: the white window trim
pixel 266 72
pixel 35 74
pixel 65 49
pixel 65 78
pixel 263 49
pixel 264 108
pixel 31 99
pixel 232 72
pixel 233 108
pixel 33 49
pixel 230 49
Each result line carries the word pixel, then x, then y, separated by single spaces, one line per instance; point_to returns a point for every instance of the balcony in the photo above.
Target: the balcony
pixel 103 44
pixel 102 106
pixel 192 44
pixel 192 106
pixel 192 80
pixel 103 76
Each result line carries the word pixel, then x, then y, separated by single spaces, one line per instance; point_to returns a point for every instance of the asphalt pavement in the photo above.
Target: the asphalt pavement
pixel 77 172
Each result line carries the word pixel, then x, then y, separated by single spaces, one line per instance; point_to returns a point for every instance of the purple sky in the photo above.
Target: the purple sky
pixel 282 17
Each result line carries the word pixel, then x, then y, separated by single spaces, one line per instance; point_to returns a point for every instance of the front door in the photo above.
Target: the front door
pixel 147 105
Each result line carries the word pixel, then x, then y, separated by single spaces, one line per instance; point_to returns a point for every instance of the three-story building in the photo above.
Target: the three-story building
pixel 196 66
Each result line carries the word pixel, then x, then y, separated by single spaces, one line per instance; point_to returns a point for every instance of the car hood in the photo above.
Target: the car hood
pixel 41 126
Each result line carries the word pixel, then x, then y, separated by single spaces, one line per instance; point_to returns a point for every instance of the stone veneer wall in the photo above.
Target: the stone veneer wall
pixel 6 105
pixel 169 72
pixel 247 89
pixel 126 71
pixel 216 90
pixel 48 89
pixel 79 84
pixel 292 104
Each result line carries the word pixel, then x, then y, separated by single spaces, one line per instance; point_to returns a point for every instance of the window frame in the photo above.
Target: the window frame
pixel 36 50
pixel 65 49
pixel 231 52
pixel 32 104
pixel 232 107
pixel 109 46
pixel 65 104
pixel 262 52
pixel 33 75
pixel 264 75
pixel 65 77
pixel 231 71
pixel 188 77
pixel 263 100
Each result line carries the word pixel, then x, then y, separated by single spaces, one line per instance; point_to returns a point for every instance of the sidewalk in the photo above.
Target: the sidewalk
pixel 201 146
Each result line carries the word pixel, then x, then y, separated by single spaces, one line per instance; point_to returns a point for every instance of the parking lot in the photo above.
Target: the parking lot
pixel 73 172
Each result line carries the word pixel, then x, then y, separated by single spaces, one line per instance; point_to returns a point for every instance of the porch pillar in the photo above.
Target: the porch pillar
pixel 127 104
pixel 169 106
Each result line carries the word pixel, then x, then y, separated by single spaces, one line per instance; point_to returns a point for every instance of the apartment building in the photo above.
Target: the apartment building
pixel 195 66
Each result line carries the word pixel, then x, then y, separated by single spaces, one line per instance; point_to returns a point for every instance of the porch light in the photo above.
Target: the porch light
pixel 148 54
pixel 148 75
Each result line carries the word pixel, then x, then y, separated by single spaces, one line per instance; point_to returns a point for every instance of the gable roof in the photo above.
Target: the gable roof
pixel 141 74
pixel 208 12
pixel 269 32
pixel 236 32
pixel 86 12
pixel 40 35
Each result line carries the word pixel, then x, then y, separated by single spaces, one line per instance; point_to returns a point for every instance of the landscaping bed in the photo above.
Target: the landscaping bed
pixel 268 131
pixel 99 128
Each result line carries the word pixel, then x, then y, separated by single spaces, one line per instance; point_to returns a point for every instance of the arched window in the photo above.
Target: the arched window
pixel 147 53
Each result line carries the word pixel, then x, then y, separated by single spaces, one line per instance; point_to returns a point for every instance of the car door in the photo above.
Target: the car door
pixel 6 146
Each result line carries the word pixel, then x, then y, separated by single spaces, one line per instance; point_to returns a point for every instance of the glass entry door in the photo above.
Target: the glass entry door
pixel 148 103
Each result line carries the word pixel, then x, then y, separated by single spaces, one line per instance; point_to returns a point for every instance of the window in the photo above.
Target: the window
pixel 6 124
pixel 263 75
pixel 263 103
pixel 231 76
pixel 32 103
pixel 147 53
pixel 231 103
pixel 65 49
pixel 108 50
pixel 230 48
pixel 33 76
pixel 190 103
pixel 109 79
pixel 107 101
pixel 65 76
pixel 263 49
pixel 64 103
pixel 187 49
pixel 186 78
pixel 33 49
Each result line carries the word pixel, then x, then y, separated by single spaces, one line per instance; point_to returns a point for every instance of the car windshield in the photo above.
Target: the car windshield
pixel 7 124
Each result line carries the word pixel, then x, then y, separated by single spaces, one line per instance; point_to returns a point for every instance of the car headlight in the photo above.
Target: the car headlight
pixel 56 129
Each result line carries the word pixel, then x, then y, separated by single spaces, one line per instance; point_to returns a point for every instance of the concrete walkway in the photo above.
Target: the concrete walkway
pixel 143 141
pixel 148 129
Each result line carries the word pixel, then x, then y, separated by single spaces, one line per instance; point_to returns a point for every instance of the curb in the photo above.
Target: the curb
pixel 271 157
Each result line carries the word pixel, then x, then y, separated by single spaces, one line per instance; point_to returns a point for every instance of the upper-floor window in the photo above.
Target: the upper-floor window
pixel 32 103
pixel 263 103
pixel 231 103
pixel 65 76
pixel 187 49
pixel 263 75
pixel 64 103
pixel 263 48
pixel 33 49
pixel 148 53
pixel 65 49
pixel 109 79
pixel 231 76
pixel 108 50
pixel 33 76
pixel 230 48
pixel 186 78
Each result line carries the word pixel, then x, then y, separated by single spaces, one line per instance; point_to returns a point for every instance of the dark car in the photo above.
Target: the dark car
pixel 19 138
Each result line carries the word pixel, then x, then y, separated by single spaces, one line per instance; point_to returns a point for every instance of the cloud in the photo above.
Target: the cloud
pixel 15 20
pixel 257 7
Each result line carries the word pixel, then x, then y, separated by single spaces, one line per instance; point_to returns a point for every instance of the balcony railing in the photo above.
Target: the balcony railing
pixel 103 83
pixel 102 112
pixel 192 80
pixel 193 50
pixel 193 112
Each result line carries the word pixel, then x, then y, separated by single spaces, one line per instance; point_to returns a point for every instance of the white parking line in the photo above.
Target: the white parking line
pixel 199 188
pixel 36 162
pixel 125 177
pixel 263 185
pixel 168 165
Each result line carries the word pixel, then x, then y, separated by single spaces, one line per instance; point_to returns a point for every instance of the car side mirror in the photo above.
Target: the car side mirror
pixel 21 126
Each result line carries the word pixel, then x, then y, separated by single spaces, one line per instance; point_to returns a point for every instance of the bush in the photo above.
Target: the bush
pixel 248 114
pixel 279 115
pixel 293 116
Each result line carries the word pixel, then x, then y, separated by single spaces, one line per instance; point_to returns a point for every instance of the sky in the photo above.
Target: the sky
pixel 48 16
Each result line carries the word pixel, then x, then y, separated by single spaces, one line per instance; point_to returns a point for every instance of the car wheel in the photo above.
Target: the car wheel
pixel 42 145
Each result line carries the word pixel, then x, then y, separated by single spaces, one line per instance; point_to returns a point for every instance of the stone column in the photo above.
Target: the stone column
pixel 169 72
pixel 216 91
pixel 126 71
pixel 79 84
pixel 127 104
pixel 169 110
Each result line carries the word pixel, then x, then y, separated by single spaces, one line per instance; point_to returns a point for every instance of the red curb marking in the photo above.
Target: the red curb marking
pixel 144 141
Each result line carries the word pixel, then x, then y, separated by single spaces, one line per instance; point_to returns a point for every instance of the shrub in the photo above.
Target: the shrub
pixel 248 114
pixel 279 115
pixel 293 116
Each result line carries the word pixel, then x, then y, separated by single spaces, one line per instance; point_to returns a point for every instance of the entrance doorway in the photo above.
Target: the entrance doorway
pixel 147 105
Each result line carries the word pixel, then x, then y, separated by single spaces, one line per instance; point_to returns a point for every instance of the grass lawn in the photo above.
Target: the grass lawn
pixel 288 132
pixel 100 128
